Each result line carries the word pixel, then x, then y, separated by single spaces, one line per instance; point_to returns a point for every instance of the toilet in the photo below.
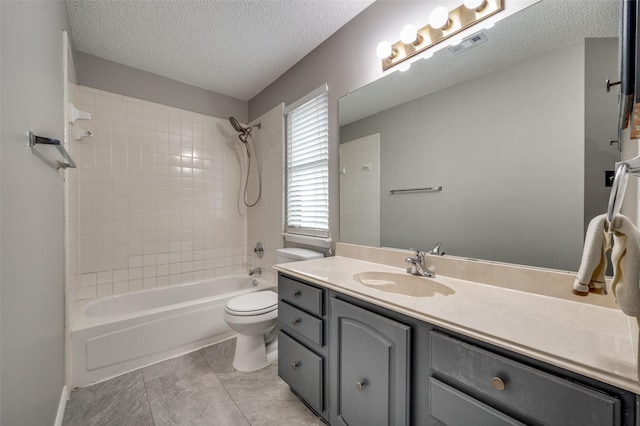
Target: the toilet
pixel 254 317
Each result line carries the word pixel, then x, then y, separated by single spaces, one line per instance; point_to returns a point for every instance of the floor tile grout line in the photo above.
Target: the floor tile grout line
pixel 224 387
pixel 146 392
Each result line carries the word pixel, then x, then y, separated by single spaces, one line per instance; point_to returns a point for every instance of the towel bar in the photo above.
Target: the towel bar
pixel 619 187
pixel 69 163
pixel 428 189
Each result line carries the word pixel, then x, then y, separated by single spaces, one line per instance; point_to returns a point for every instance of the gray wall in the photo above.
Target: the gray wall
pixel 117 78
pixel 507 177
pixel 345 61
pixel 601 121
pixel 32 222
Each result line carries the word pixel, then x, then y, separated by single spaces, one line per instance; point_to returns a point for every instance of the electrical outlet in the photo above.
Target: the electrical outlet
pixel 609 175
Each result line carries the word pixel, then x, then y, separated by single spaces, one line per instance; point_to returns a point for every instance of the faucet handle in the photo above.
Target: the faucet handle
pixel 419 254
pixel 437 250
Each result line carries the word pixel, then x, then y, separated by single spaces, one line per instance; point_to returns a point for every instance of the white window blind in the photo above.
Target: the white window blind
pixel 307 194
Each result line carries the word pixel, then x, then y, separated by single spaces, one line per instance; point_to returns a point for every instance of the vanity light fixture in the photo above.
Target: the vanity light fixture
pixel 477 5
pixel 439 18
pixel 409 35
pixel 443 25
pixel 386 51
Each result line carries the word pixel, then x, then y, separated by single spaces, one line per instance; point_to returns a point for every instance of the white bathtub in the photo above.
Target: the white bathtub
pixel 116 334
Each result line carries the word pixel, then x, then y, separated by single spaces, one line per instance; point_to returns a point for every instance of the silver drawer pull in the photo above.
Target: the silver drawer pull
pixel 295 293
pixel 498 383
pixel 361 384
pixel 295 365
pixel 295 321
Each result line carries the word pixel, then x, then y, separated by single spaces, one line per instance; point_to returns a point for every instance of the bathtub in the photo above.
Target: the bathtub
pixel 120 333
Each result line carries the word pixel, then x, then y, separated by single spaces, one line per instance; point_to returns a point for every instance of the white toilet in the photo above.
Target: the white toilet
pixel 254 317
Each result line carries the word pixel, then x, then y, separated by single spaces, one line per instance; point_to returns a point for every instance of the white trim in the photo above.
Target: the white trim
pixel 62 406
pixel 306 98
pixel 308 240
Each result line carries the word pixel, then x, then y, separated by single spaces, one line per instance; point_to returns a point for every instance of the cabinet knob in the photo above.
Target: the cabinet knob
pixel 295 365
pixel 361 384
pixel 295 293
pixel 295 321
pixel 498 383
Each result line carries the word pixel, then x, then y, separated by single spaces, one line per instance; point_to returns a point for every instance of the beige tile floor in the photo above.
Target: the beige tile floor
pixel 199 388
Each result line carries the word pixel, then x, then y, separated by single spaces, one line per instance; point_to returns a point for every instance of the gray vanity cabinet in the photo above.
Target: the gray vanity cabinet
pixel 358 364
pixel 302 341
pixel 369 369
pixel 471 385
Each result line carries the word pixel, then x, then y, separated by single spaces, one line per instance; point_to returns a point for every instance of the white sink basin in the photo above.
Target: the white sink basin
pixel 407 284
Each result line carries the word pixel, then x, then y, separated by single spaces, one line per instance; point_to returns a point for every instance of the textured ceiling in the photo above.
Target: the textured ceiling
pixel 232 47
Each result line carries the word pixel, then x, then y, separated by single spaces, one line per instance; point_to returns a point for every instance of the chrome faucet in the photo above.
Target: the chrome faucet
pixel 255 271
pixel 437 250
pixel 417 267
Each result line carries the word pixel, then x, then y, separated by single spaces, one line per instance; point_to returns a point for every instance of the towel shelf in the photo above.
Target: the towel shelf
pixel 35 140
pixel 410 190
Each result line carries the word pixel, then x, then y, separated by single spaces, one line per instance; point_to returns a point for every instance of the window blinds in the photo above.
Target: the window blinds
pixel 307 195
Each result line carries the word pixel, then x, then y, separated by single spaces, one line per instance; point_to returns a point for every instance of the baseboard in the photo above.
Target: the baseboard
pixel 63 404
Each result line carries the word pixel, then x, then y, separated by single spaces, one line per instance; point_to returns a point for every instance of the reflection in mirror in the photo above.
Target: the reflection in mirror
pixel 516 130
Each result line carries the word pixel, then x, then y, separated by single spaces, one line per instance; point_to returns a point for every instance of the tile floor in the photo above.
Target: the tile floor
pixel 199 388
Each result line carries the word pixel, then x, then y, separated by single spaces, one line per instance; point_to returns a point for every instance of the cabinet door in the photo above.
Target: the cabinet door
pixel 370 368
pixel 302 369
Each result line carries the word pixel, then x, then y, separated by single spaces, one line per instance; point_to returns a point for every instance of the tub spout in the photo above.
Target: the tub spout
pixel 255 271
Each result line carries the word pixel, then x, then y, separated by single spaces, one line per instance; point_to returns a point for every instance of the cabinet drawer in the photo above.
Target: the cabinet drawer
pixel 301 323
pixel 535 394
pixel 301 369
pixel 301 295
pixel 454 408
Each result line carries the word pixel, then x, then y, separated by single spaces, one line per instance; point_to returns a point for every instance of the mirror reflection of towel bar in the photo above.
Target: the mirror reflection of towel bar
pixel 619 187
pixel 428 189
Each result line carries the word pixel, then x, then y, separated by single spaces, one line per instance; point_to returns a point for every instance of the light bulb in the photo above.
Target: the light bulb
pixel 477 5
pixel 384 50
pixel 409 34
pixel 439 18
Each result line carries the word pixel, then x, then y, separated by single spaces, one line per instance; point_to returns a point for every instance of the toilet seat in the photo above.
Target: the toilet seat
pixel 256 303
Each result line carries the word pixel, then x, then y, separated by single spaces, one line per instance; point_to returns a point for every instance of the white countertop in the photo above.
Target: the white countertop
pixel 595 341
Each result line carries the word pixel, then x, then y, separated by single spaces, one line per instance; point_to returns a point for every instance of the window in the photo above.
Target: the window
pixel 307 192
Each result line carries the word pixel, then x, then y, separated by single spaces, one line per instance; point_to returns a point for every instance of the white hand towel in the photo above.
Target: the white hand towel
pixel 626 265
pixel 594 260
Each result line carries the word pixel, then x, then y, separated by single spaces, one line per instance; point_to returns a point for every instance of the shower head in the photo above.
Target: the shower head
pixel 236 125
pixel 244 131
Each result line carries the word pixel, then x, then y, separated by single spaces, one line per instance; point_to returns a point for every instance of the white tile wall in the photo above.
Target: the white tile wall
pixel 158 197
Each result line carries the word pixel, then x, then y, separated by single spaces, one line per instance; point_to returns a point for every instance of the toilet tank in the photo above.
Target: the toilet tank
pixel 294 254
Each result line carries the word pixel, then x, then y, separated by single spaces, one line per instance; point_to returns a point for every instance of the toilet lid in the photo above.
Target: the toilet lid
pixel 255 303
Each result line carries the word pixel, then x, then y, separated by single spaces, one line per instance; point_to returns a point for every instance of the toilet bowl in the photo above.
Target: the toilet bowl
pixel 254 317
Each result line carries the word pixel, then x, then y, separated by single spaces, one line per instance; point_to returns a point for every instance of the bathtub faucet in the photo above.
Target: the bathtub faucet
pixel 255 271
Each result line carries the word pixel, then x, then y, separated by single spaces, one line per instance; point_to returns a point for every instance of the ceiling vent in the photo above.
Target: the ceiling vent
pixel 468 43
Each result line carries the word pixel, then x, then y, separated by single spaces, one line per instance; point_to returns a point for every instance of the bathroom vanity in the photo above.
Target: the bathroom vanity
pixel 360 355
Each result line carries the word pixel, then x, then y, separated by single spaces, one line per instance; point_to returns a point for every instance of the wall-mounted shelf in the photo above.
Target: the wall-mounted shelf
pixel 35 140
pixel 75 114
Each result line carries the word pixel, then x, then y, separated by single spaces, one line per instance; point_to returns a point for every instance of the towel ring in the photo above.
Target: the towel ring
pixel 617 191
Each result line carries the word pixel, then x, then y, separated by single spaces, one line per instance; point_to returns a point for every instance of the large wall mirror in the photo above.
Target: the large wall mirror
pixel 516 130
